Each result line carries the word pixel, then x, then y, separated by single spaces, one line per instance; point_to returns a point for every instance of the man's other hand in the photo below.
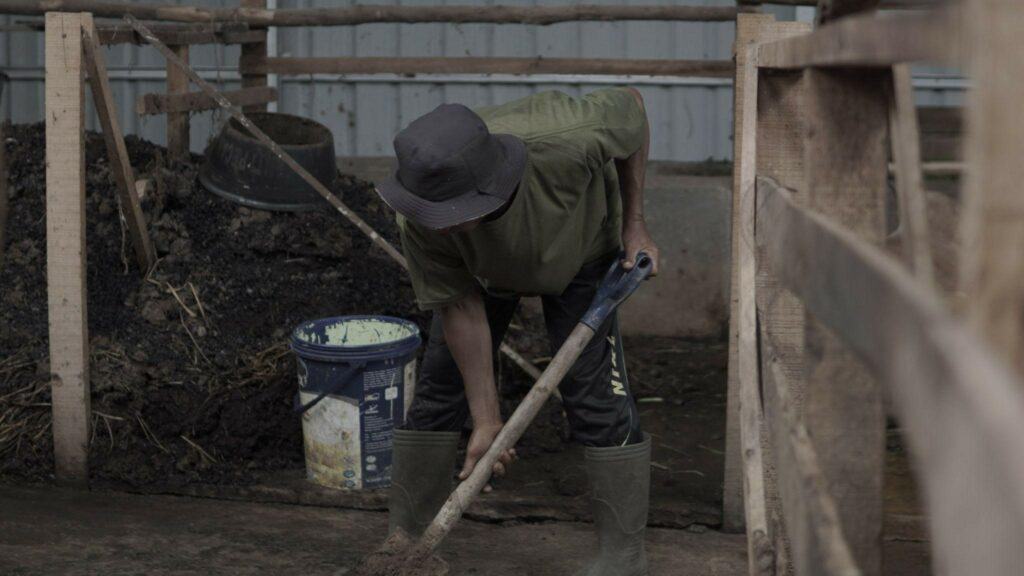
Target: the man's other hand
pixel 481 439
pixel 636 239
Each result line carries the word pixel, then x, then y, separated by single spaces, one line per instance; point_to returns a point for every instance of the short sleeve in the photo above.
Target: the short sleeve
pixel 439 276
pixel 612 124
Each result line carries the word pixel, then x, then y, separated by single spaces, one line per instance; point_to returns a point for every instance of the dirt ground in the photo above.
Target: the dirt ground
pixel 48 532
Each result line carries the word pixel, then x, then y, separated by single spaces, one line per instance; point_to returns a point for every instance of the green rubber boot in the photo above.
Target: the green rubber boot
pixel 620 481
pixel 422 468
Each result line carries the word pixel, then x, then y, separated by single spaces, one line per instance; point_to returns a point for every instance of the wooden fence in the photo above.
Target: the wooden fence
pixel 833 330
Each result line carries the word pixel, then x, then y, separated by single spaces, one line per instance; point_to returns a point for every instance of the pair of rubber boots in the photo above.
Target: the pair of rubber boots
pixel 421 480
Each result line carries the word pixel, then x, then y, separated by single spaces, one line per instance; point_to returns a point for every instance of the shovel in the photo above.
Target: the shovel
pixel 400 555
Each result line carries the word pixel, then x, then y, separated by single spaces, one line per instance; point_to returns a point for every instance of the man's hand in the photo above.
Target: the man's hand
pixel 481 439
pixel 636 239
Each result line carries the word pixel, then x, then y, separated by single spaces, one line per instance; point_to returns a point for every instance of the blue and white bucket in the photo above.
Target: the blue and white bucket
pixel 356 378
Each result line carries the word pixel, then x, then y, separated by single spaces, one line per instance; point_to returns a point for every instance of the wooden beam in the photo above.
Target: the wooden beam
pixel 812 516
pixel 780 102
pixel 878 40
pixel 473 65
pixel 178 128
pixel 847 111
pixel 964 437
pixel 148 104
pixel 253 56
pixel 117 153
pixel 992 232
pixel 736 491
pixel 743 361
pixel 906 153
pixel 65 246
pixel 368 14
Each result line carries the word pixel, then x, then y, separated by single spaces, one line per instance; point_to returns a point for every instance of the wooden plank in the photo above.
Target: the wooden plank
pixel 964 438
pixel 743 363
pixel 117 153
pixel 879 40
pixel 227 33
pixel 780 153
pixel 992 271
pixel 847 111
pixel 906 153
pixel 473 65
pixel 148 104
pixel 812 516
pixel 736 482
pixel 253 56
pixel 65 246
pixel 367 14
pixel 178 129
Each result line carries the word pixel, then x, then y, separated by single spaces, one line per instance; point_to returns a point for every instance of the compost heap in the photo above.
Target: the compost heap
pixel 191 375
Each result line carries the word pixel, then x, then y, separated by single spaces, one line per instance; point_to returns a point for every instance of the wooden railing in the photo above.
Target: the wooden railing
pixel 828 321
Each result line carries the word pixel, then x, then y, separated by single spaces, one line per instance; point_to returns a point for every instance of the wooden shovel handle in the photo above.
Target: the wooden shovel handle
pixel 468 490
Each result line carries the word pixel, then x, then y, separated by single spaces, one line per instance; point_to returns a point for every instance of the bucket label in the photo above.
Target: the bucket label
pixel 381 410
pixel 348 436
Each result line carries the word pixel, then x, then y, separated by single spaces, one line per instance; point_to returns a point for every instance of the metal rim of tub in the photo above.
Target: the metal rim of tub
pixel 369 352
pixel 239 168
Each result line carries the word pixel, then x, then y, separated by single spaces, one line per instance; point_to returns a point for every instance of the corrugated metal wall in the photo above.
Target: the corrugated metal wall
pixel 691 118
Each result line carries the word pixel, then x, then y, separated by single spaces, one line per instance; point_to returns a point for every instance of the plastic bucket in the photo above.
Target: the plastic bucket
pixel 356 375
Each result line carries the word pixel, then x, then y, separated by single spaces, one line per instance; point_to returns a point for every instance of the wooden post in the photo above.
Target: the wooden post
pixel 254 54
pixel 117 154
pixel 780 156
pixel 747 28
pixel 743 366
pixel 65 246
pixel 906 153
pixel 992 263
pixel 177 122
pixel 846 151
pixel 749 158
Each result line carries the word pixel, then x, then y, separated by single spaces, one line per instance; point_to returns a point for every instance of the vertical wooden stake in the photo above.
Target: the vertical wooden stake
pixel 846 169
pixel 992 263
pixel 253 55
pixel 760 555
pixel 742 493
pixel 906 153
pixel 177 122
pixel 117 154
pixel 65 245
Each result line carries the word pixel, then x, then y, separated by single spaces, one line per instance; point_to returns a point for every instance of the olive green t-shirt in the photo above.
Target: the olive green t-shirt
pixel 566 210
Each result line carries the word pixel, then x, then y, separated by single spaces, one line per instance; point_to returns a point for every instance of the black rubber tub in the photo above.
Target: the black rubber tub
pixel 238 167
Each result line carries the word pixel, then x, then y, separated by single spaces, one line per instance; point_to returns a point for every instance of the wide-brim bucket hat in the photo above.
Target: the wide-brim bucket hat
pixel 451 169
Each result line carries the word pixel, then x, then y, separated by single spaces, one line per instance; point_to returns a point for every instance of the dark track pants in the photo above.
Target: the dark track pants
pixel 595 392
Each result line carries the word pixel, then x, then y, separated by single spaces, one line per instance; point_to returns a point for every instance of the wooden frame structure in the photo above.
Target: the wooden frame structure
pixel 827 322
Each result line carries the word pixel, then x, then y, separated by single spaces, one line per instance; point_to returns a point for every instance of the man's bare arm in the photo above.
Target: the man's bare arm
pixel 631 171
pixel 469 339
